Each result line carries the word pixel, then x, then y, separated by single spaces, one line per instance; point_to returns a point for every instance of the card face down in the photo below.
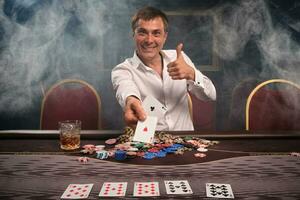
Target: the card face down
pixel 77 191
pixel 145 130
pixel 153 107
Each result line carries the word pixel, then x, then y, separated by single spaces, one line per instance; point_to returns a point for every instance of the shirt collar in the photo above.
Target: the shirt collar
pixel 136 61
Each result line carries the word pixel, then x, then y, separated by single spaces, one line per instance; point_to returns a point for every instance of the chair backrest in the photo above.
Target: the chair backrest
pixel 203 113
pixel 274 105
pixel 71 99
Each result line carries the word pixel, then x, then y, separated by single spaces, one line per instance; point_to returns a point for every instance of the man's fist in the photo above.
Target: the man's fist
pixel 179 69
pixel 133 111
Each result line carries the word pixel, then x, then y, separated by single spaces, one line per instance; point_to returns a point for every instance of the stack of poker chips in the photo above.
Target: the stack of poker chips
pixel 123 147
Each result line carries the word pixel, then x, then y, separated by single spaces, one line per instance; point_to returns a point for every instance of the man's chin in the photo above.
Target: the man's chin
pixel 147 55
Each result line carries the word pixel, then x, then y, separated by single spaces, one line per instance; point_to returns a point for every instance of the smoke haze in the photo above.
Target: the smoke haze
pixel 42 42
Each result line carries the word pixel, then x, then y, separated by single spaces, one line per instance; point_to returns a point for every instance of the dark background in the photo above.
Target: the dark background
pixel 232 42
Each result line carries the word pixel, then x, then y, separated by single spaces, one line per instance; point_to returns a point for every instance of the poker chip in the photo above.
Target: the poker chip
pixel 88 148
pixel 201 149
pixel 99 147
pixel 161 154
pixel 123 147
pixel 111 141
pixel 170 150
pixel 102 154
pixel 139 145
pixel 153 150
pixel 120 155
pixel 83 159
pixel 133 149
pixel 140 153
pixel 149 155
pixel 199 155
pixel 131 153
pixel 297 154
pixel 111 153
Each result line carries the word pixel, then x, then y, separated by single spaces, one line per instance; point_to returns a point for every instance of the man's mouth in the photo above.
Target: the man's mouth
pixel 148 48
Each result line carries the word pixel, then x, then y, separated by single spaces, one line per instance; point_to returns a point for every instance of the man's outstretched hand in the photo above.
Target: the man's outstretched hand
pixel 133 111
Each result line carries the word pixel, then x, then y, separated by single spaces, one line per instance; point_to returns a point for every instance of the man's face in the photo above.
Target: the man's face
pixel 150 37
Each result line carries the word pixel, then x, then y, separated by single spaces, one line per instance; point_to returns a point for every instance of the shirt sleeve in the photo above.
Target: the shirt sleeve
pixel 202 87
pixel 123 84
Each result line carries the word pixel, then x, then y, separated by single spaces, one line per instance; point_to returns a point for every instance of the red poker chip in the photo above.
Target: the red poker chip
pixel 153 150
pixel 111 141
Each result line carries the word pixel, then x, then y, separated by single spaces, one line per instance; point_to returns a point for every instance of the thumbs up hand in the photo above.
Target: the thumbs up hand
pixel 179 69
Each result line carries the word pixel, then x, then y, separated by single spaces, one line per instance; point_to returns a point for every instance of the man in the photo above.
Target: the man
pixel 167 75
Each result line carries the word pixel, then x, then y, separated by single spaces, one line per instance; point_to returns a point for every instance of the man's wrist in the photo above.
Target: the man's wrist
pixel 131 98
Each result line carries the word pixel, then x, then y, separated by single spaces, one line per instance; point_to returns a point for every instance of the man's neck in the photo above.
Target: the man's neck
pixel 156 64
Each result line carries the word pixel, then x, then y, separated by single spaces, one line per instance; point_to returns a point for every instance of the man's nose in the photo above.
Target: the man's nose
pixel 150 38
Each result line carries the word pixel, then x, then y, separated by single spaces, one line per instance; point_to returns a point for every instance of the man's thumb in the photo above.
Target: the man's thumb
pixel 179 49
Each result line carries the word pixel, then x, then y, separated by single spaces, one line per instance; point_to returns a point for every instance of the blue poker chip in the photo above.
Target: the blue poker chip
pixel 161 154
pixel 149 155
pixel 170 150
pixel 177 146
pixel 120 155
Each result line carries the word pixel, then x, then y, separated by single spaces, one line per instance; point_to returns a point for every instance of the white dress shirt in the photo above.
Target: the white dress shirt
pixel 132 77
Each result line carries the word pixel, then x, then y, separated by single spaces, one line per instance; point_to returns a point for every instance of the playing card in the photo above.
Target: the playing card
pixel 113 189
pixel 178 187
pixel 77 191
pixel 153 107
pixel 144 131
pixel 143 189
pixel 218 190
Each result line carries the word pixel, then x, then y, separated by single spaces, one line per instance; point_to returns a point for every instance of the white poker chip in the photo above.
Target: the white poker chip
pixel 201 149
pixel 99 147
pixel 132 149
pixel 200 155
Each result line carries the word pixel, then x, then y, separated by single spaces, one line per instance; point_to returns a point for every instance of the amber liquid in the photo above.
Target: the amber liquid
pixel 70 140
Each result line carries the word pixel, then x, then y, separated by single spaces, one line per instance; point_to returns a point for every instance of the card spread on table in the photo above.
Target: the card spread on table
pixel 113 189
pixel 77 191
pixel 178 187
pixel 153 107
pixel 144 131
pixel 218 190
pixel 144 189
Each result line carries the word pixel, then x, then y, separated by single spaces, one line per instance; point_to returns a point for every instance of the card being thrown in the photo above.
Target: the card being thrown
pixel 218 190
pixel 145 130
pixel 153 107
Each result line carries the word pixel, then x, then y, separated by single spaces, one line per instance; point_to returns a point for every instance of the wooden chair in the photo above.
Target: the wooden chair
pixel 274 105
pixel 71 99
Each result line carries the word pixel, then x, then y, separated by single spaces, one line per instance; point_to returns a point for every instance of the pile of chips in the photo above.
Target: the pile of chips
pixel 123 147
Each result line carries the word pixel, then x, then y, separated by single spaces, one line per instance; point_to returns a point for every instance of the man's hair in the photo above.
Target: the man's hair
pixel 149 13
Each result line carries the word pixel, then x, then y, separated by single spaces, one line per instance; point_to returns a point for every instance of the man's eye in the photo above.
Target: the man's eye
pixel 156 34
pixel 141 32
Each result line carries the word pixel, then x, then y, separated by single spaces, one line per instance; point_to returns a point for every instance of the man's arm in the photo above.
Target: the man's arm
pixel 128 95
pixel 198 84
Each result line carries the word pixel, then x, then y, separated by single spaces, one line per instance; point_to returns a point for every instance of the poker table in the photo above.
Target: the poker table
pixel 257 165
